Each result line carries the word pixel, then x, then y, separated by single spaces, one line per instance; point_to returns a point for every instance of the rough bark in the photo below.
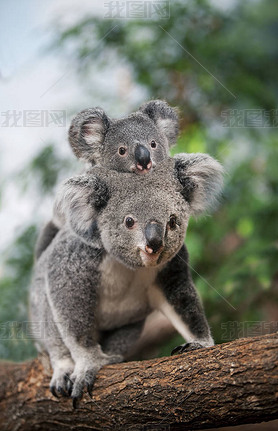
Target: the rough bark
pixel 232 383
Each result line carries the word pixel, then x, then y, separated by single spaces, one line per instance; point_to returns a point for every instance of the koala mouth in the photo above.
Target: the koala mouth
pixel 149 258
pixel 141 170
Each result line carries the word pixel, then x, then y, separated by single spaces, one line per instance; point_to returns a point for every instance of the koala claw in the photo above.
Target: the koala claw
pixel 53 391
pixel 62 392
pixel 57 392
pixel 79 382
pixel 77 398
pixel 59 385
pixel 187 347
pixel 75 402
pixel 90 389
pixel 69 385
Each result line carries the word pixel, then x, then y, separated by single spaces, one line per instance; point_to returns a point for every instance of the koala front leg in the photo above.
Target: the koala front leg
pixel 176 296
pixel 72 284
pixel 60 358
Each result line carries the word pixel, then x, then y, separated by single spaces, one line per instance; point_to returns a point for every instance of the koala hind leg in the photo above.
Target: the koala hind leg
pixel 121 341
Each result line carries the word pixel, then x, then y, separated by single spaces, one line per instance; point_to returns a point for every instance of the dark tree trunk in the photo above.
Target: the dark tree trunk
pixel 232 383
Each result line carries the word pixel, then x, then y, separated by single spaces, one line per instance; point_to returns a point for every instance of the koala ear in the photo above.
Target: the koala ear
pixel 78 203
pixel 87 133
pixel 165 118
pixel 201 178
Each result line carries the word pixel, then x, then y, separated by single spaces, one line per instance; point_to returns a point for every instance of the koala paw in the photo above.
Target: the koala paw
pixel 187 347
pixel 82 380
pixel 59 384
pixel 85 378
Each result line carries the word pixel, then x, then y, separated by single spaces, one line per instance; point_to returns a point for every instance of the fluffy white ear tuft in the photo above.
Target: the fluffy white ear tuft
pixel 72 205
pixel 165 117
pixel 201 177
pixel 87 133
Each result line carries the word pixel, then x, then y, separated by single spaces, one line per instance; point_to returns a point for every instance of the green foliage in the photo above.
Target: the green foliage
pixel 46 167
pixel 15 339
pixel 234 253
pixel 14 297
pixel 199 59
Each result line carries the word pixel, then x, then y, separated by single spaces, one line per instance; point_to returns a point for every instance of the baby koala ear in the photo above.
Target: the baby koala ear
pixel 87 133
pixel 201 178
pixel 78 203
pixel 165 118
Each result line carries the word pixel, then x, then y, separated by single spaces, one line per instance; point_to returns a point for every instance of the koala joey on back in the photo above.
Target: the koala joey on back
pixel 135 144
pixel 119 256
pixel 132 144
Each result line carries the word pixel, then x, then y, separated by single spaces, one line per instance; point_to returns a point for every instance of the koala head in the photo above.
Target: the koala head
pixel 142 221
pixel 136 143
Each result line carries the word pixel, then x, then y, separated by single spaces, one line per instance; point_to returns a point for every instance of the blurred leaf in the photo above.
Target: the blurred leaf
pixel 46 167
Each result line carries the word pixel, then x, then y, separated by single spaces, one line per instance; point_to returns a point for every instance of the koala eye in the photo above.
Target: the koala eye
pixel 129 222
pixel 153 144
pixel 172 222
pixel 122 151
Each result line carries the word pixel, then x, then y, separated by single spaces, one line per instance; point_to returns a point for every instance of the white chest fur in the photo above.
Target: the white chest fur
pixel 123 295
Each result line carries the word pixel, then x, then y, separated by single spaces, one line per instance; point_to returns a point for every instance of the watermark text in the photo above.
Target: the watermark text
pixel 33 118
pixel 132 9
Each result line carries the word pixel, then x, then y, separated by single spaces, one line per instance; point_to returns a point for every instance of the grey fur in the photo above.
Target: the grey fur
pixel 165 117
pixel 87 133
pixel 93 289
pixel 47 234
pixel 95 138
pixel 198 173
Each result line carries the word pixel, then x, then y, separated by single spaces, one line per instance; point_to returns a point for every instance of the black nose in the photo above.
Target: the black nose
pixel 154 236
pixel 142 156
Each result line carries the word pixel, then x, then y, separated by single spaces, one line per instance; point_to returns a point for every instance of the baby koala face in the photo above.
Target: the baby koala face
pixel 134 144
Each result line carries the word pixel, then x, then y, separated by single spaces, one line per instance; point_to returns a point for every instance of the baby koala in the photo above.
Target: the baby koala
pixel 134 144
pixel 119 256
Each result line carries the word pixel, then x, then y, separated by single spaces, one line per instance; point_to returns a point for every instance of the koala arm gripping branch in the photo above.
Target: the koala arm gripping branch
pixel 178 300
pixel 72 293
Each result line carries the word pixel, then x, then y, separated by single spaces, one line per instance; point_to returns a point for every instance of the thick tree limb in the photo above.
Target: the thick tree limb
pixel 228 384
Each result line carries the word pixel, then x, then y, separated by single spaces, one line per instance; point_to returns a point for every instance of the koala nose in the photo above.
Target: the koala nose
pixel 142 157
pixel 154 237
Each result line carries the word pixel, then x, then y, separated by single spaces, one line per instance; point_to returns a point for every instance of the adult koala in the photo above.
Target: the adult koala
pixel 136 143
pixel 119 256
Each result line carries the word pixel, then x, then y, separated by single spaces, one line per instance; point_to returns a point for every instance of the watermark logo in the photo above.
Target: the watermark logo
pixel 248 118
pixel 233 329
pixel 33 118
pixel 26 330
pixel 148 9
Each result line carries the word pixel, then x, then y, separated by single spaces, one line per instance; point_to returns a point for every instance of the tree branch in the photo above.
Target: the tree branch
pixel 228 384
